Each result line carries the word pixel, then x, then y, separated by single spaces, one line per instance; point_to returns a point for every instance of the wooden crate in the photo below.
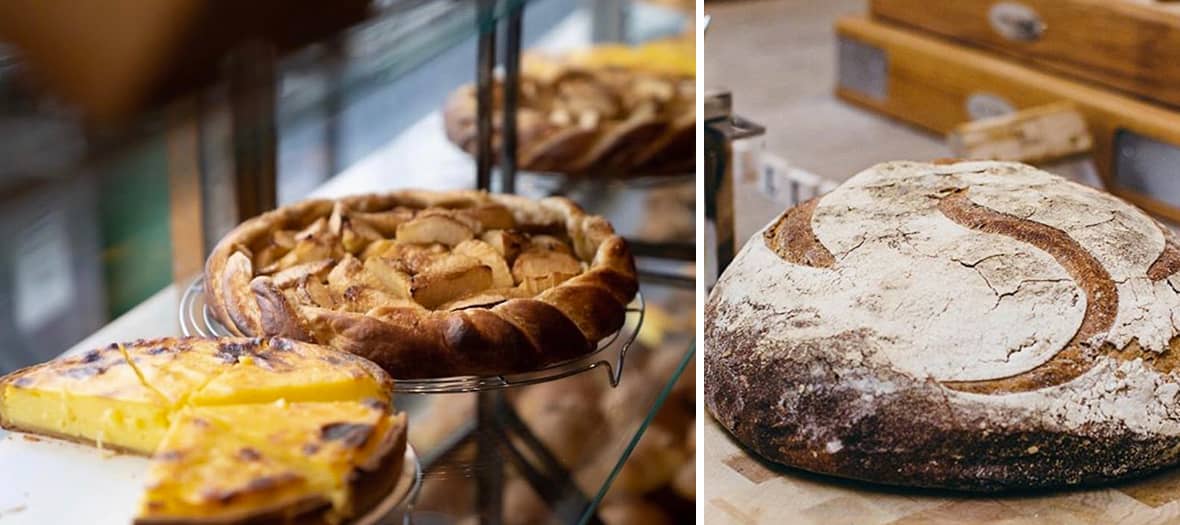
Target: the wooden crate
pixel 1126 44
pixel 937 84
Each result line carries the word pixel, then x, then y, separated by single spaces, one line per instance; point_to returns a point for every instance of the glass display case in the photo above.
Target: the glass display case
pixel 110 226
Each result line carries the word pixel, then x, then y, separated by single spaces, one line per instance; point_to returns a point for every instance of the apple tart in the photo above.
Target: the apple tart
pixel 610 109
pixel 427 284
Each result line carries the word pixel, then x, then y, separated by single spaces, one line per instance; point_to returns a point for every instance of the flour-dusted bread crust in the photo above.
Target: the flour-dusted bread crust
pixel 428 284
pixel 577 119
pixel 971 325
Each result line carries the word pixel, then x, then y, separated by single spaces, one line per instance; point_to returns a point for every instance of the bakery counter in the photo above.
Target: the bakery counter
pixel 583 422
pixel 576 432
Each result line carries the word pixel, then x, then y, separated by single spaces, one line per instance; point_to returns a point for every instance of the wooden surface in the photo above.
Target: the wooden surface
pixel 930 82
pixel 1034 135
pixel 743 490
pixel 1133 46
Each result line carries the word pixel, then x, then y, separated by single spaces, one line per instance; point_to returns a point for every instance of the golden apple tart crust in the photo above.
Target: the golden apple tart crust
pixel 427 284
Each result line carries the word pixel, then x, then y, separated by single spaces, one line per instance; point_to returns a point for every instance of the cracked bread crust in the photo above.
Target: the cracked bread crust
pixel 808 409
pixel 578 119
pixel 974 326
pixel 428 284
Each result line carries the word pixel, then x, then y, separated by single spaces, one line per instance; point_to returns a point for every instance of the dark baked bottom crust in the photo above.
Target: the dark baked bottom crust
pixel 911 437
pixel 41 433
pixel 370 487
pixel 374 485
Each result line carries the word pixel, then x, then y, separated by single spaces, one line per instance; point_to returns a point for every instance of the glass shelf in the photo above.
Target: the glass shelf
pixel 578 431
pixel 197 320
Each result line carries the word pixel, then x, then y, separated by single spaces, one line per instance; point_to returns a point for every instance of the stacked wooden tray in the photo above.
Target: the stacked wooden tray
pixel 1128 45
pixel 1118 62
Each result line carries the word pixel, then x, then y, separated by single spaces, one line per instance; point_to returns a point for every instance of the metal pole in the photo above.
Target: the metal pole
pixel 548 477
pixel 608 20
pixel 489 472
pixel 489 466
pixel 719 195
pixel 722 128
pixel 334 108
pixel 485 66
pixel 718 186
pixel 511 83
pixel 252 81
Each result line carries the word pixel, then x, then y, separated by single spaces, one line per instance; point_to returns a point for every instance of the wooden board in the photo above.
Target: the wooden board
pixel 1129 45
pixel 1034 135
pixel 744 490
pixel 111 58
pixel 938 85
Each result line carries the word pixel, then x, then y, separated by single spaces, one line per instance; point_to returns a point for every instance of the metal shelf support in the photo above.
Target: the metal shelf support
pixel 722 128
pixel 512 41
pixel 494 416
pixel 485 85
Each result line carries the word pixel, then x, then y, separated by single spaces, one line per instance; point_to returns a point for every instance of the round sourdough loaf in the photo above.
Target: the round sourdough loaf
pixel 971 325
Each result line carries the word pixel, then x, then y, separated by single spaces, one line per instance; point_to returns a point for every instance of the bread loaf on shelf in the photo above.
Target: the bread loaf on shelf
pixel 609 110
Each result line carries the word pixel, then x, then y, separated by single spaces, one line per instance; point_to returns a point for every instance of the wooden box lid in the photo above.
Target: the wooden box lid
pixel 1132 45
pixel 937 84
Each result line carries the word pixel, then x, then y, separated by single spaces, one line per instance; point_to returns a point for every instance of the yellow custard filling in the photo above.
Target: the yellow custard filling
pixel 327 442
pixel 202 469
pixel 235 427
pixel 95 398
pixel 107 423
pixel 295 374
